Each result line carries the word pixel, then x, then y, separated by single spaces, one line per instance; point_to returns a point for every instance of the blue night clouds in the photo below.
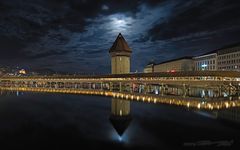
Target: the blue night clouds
pixel 75 35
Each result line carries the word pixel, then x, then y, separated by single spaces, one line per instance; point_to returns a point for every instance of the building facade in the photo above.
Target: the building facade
pixel 229 59
pixel 176 65
pixel 206 62
pixel 149 68
pixel 225 59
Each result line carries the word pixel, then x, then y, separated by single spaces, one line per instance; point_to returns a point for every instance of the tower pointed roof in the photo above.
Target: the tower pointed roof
pixel 120 45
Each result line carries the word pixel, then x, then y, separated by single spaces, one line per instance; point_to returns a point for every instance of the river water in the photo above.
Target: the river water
pixel 48 120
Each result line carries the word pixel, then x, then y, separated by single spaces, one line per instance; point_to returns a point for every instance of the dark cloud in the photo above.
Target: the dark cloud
pixel 48 53
pixel 94 52
pixel 153 3
pixel 81 31
pixel 207 16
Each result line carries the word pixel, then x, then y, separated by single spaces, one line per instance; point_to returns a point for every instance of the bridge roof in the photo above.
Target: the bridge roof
pixel 141 75
pixel 119 45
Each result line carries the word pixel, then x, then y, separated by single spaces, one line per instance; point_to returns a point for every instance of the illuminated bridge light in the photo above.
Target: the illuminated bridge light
pixel 155 100
pixel 43 86
pixel 211 107
pixel 188 104
pixel 137 97
pixel 227 105
pixel 233 104
pixel 149 99
pixel 199 106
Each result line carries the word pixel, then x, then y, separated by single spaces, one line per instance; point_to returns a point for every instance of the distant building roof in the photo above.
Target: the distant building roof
pixel 120 45
pixel 212 54
pixel 186 57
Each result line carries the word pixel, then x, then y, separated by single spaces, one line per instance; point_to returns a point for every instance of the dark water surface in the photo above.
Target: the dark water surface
pixel 54 121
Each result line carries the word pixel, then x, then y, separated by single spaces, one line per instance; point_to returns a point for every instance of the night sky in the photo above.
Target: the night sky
pixel 75 35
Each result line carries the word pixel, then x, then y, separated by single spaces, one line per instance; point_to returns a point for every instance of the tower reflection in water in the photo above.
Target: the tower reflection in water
pixel 120 115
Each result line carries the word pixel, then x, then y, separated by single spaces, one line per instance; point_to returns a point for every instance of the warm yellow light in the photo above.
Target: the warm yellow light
pixel 199 106
pixel 137 97
pixel 22 71
pixel 155 100
pixel 149 99
pixel 226 104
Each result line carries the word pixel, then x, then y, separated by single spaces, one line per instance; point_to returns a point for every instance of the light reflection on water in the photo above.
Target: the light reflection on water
pixel 186 101
pixel 119 139
pixel 36 116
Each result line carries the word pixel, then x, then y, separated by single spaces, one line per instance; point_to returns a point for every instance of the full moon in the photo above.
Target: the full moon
pixel 120 23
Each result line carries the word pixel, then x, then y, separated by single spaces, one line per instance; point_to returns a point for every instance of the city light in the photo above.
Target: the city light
pixel 204 65
pixel 179 101
pixel 22 71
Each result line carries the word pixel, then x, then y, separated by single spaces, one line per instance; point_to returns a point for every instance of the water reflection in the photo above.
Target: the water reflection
pixel 73 119
pixel 120 115
pixel 186 101
pixel 231 114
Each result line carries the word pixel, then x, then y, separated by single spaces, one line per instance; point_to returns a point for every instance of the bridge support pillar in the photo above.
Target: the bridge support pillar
pixel 89 86
pixel 146 89
pixel 220 91
pixel 206 92
pixel 120 86
pixel 63 85
pixel 110 86
pixel 162 89
pixel 185 90
pixel 131 90
pixel 101 86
